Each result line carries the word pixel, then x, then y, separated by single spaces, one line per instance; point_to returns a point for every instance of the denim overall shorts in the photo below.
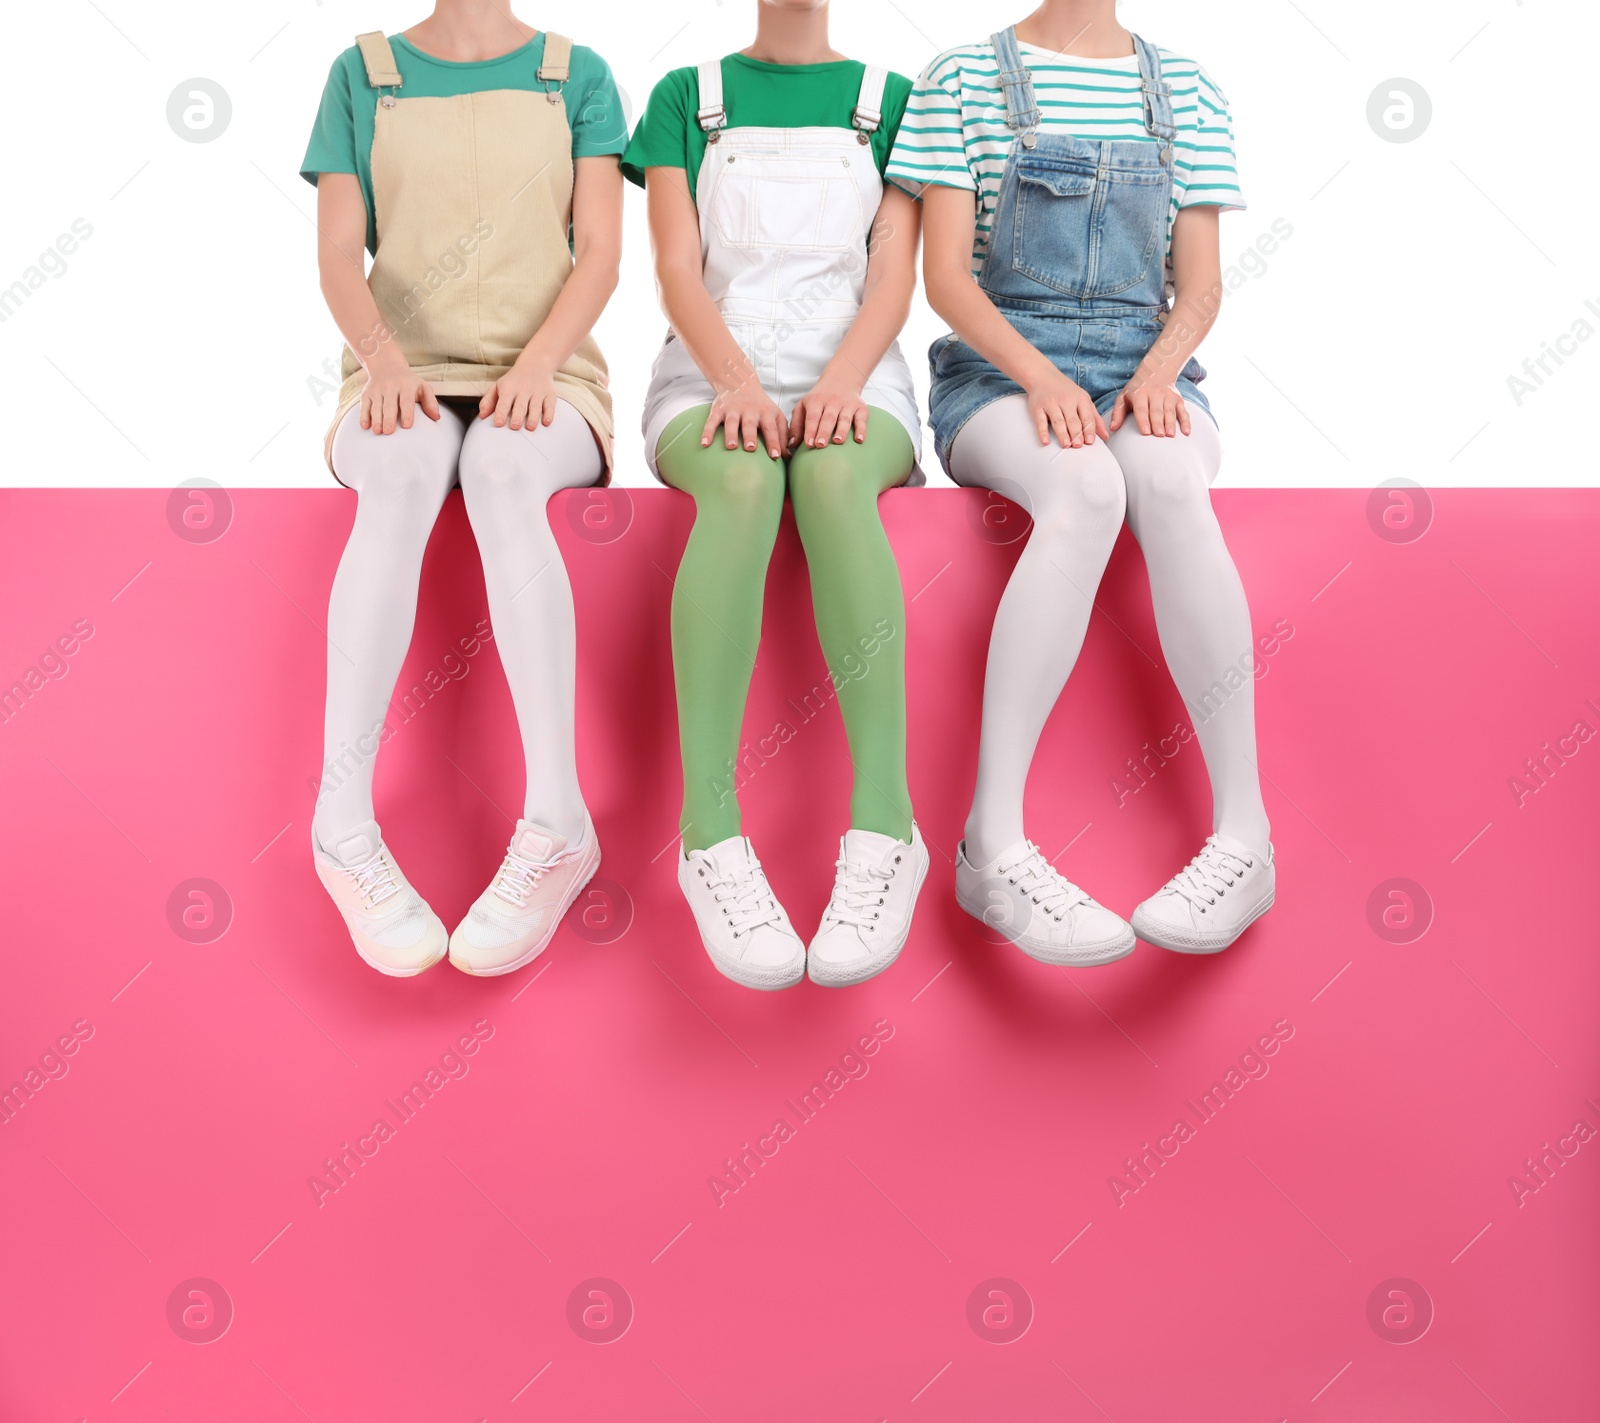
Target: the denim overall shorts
pixel 1077 257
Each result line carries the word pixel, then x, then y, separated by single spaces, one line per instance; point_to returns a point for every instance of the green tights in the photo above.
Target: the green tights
pixel 855 592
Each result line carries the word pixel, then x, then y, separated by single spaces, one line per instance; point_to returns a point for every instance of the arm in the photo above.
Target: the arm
pixel 1056 403
pixel 526 394
pixel 1152 395
pixel 834 405
pixel 741 407
pixel 392 392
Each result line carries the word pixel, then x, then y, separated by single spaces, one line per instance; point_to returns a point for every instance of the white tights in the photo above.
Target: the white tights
pixel 402 479
pixel 1078 499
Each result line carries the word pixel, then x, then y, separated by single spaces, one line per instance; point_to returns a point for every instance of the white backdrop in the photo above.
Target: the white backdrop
pixel 184 335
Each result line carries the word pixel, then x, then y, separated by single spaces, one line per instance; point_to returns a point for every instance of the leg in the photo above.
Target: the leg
pixel 860 608
pixel 861 621
pixel 507 478
pixel 1200 608
pixel 716 612
pixel 401 480
pixel 1076 499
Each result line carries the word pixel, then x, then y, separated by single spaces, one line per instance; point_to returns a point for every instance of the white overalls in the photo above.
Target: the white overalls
pixel 785 218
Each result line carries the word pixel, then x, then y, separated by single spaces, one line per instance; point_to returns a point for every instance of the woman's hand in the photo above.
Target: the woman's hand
pixel 524 396
pixel 391 396
pixel 1060 405
pixel 829 411
pixel 748 416
pixel 1157 409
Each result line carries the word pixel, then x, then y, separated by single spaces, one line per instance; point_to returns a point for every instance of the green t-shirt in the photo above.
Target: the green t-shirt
pixel 757 95
pixel 341 139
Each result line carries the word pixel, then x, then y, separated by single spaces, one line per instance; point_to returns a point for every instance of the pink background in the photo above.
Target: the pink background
pixel 1233 1285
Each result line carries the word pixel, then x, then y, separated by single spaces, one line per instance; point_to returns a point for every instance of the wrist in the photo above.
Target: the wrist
pixel 848 376
pixel 734 379
pixel 535 360
pixel 387 360
pixel 1154 374
pixel 1039 372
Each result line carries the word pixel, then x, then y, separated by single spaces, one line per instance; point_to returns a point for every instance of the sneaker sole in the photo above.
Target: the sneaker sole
pixel 571 898
pixel 1118 948
pixel 1194 944
pixel 850 975
pixel 762 980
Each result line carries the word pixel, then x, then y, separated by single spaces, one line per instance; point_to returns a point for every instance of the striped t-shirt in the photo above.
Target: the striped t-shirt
pixel 954 133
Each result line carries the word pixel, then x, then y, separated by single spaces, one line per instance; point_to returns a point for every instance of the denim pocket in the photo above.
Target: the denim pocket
pixel 939 351
pixel 1089 232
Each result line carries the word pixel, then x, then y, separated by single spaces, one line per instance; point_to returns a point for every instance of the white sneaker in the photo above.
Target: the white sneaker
pixel 1211 901
pixel 390 924
pixel 741 923
pixel 514 920
pixel 869 915
pixel 1024 898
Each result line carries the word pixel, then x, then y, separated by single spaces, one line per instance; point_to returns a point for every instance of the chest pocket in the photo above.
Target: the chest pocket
pixel 1090 230
pixel 793 204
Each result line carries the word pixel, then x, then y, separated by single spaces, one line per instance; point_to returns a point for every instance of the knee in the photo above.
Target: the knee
pixel 1088 499
pixel 827 483
pixel 1167 483
pixel 406 481
pixel 747 492
pixel 497 465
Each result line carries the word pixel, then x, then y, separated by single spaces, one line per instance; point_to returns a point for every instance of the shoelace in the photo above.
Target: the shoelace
pixel 748 902
pixel 517 879
pixel 375 880
pixel 859 891
pixel 1210 875
pixel 1037 879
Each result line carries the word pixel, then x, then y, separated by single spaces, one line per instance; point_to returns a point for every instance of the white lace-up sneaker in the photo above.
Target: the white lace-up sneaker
pixel 1024 898
pixel 390 924
pixel 869 915
pixel 741 923
pixel 1211 901
pixel 514 919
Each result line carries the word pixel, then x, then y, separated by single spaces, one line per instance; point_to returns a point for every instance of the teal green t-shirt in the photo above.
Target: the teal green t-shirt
pixel 757 95
pixel 341 138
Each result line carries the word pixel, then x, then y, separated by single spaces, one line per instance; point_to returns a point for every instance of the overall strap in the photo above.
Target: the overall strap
pixel 555 65
pixel 376 54
pixel 1158 116
pixel 869 103
pixel 711 114
pixel 1022 112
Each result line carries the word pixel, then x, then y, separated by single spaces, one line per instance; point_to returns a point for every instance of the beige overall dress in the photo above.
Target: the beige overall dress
pixel 473 199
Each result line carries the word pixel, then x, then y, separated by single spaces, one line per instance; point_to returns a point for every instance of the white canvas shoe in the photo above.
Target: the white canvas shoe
pixel 869 915
pixel 390 924
pixel 514 920
pixel 741 923
pixel 1211 901
pixel 1024 898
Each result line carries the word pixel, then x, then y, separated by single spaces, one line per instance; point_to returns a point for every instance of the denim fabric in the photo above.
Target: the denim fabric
pixel 1077 255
